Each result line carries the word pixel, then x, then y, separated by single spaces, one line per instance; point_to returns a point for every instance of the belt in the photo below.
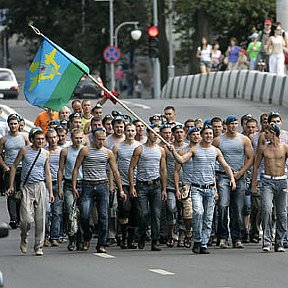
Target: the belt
pixel 275 177
pixel 95 182
pixel 68 180
pixel 207 186
pixel 220 173
pixel 149 182
pixel 54 182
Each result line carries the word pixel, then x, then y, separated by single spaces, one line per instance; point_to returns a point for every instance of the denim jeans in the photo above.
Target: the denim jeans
pixel 149 196
pixel 234 201
pixel 274 192
pixel 56 213
pixel 68 201
pixel 171 209
pixel 101 193
pixel 203 209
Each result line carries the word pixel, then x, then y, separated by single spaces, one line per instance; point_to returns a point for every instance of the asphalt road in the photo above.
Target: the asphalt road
pixel 178 266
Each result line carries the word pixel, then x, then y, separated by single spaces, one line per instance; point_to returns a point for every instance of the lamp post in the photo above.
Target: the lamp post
pixel 135 34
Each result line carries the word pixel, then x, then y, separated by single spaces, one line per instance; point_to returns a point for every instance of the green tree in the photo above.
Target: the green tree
pixel 218 20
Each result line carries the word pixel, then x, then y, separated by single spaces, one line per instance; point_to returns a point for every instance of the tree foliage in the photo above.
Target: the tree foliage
pixel 62 22
pixel 217 20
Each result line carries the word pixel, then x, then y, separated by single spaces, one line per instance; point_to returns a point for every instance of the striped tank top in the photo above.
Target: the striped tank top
pixel 204 165
pixel 72 154
pixel 12 146
pixel 54 162
pixel 233 152
pixel 95 164
pixel 149 163
pixel 170 162
pixel 124 155
pixel 38 171
pixel 187 169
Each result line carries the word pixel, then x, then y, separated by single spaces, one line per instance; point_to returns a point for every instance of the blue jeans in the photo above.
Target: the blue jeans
pixel 56 213
pixel 101 193
pixel 149 194
pixel 171 209
pixel 234 201
pixel 203 209
pixel 274 192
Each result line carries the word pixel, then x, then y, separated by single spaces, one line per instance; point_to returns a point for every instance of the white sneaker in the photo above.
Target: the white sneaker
pixel 223 244
pixel 280 249
pixel 39 252
pixel 266 249
pixel 23 246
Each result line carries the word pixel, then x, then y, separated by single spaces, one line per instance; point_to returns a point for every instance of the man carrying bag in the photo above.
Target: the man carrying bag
pixel 35 169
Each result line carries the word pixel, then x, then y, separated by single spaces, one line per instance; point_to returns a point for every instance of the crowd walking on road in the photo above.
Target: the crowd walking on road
pixel 79 175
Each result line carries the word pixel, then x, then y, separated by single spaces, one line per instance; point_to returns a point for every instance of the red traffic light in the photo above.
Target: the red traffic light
pixel 153 31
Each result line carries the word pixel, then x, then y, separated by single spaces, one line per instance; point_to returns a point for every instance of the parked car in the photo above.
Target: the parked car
pixel 86 88
pixel 8 84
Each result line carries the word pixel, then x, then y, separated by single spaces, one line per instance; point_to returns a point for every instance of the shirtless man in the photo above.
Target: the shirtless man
pixel 273 188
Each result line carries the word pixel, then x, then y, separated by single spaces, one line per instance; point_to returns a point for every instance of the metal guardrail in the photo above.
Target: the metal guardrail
pixel 242 84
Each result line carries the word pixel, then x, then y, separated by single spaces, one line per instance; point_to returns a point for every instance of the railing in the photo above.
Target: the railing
pixel 242 84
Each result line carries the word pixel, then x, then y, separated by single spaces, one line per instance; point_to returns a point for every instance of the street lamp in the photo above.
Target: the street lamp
pixel 135 34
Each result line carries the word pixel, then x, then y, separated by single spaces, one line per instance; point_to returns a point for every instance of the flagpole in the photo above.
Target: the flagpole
pixel 37 31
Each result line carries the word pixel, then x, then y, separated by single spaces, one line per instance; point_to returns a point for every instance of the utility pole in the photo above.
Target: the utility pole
pixel 155 61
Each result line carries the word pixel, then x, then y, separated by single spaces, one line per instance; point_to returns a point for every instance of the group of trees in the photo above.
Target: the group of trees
pixel 82 26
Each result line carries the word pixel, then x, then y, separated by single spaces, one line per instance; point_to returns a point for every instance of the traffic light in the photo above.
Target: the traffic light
pixel 153 42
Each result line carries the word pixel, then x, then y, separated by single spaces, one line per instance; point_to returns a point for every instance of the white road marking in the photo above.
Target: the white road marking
pixel 104 255
pixel 161 272
pixel 136 105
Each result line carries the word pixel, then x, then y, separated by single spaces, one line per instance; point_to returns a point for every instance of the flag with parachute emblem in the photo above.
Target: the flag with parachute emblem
pixel 52 76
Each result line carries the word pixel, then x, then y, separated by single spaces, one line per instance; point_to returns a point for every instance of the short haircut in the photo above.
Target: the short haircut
pixel 76 131
pixel 263 115
pixel 95 119
pixel 129 125
pixel 252 120
pixel 76 101
pixel 216 119
pixel 61 129
pixel 169 108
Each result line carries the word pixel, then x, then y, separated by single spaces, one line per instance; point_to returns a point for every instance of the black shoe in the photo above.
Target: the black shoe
pixel 154 246
pixel 79 246
pixel 204 250
pixel 13 224
pixel 71 246
pixel 196 248
pixel 245 238
pixel 123 244
pixel 141 243
pixel 130 245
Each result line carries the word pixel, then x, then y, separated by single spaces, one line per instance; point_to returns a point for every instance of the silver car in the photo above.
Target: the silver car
pixel 8 84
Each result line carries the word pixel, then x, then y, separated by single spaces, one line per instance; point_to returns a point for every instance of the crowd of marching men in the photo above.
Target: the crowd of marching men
pixel 83 174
